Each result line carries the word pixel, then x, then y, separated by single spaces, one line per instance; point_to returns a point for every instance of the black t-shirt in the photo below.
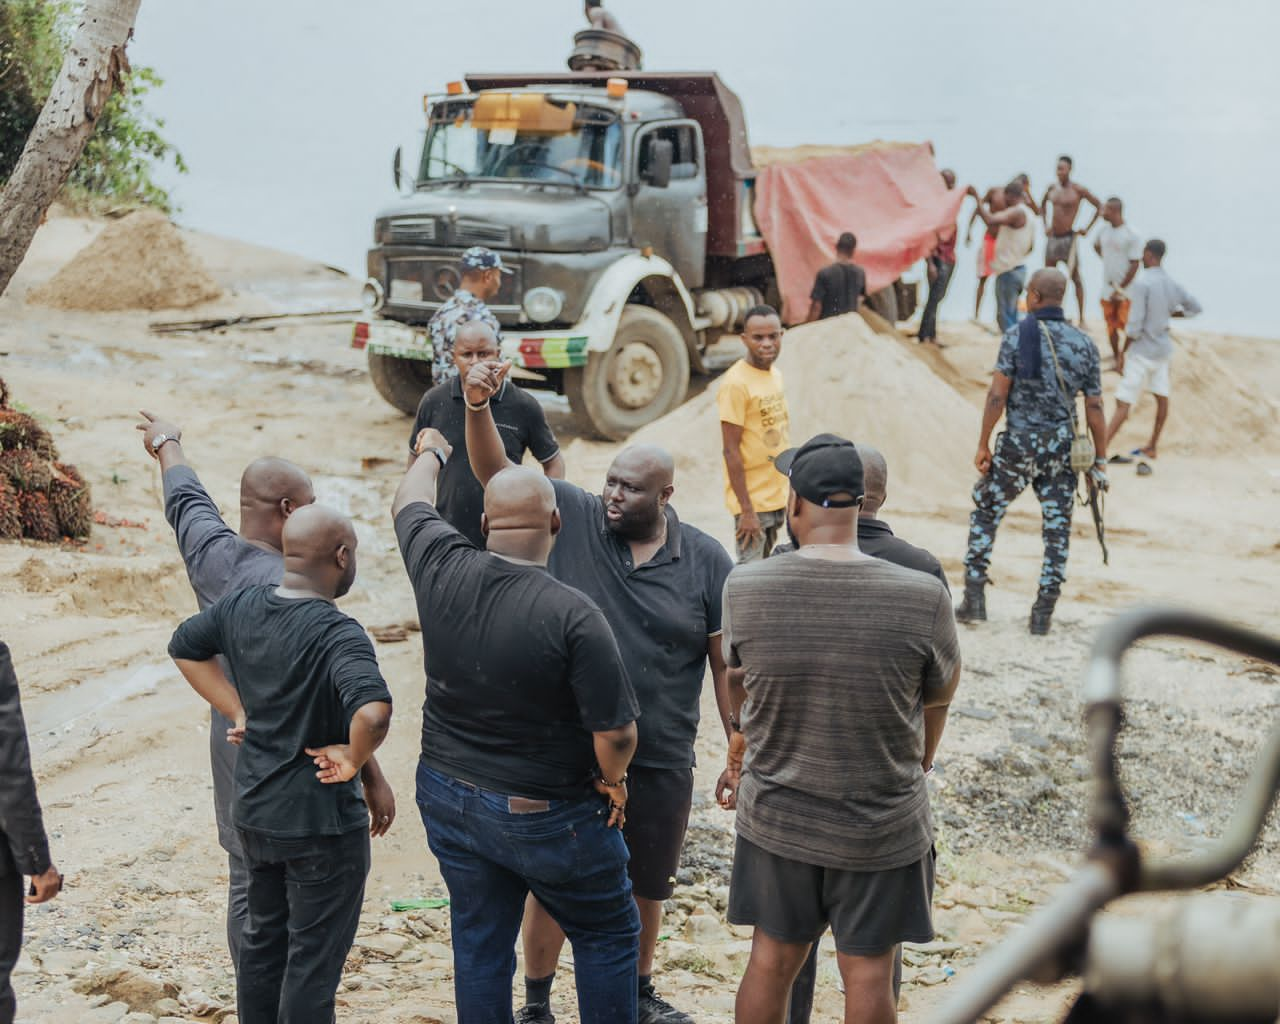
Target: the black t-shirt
pixel 521 668
pixel 839 288
pixel 662 613
pixel 521 424
pixel 303 669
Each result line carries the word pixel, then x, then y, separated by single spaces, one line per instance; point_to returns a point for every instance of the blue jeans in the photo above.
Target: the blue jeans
pixel 576 866
pixel 1008 289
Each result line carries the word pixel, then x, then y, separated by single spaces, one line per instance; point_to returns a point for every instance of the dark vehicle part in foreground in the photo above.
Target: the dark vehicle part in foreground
pixel 1211 957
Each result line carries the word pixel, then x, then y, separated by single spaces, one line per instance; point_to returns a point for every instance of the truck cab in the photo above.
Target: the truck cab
pixel 622 206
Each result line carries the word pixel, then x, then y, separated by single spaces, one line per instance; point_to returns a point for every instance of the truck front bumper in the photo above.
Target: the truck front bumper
pixel 534 350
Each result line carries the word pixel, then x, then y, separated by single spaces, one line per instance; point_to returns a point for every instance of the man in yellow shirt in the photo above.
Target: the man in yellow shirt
pixel 755 427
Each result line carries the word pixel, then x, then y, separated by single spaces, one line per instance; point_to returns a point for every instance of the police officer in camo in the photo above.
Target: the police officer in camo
pixel 1035 447
pixel 481 273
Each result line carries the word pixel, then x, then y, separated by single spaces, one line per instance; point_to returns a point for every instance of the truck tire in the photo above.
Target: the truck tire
pixel 885 302
pixel 402 382
pixel 644 374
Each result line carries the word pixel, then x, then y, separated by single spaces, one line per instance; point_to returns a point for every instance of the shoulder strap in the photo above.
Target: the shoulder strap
pixel 1067 400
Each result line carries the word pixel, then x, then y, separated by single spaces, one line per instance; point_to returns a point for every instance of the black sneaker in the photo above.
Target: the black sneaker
pixel 656 1010
pixel 535 1013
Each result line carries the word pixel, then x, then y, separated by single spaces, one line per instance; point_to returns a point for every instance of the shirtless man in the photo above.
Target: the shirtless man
pixel 1066 195
pixel 994 198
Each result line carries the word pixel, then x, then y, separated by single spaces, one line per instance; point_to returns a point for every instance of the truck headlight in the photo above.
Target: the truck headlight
pixel 371 295
pixel 542 305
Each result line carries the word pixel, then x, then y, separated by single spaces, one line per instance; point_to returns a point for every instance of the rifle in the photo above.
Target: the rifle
pixel 1096 504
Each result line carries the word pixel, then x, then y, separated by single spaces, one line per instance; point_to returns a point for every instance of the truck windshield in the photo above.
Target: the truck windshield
pixel 522 137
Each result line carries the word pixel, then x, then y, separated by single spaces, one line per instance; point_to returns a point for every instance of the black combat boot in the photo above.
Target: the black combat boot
pixel 1042 611
pixel 974 606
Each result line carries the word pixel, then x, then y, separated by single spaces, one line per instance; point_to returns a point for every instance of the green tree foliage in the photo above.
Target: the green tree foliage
pixel 119 161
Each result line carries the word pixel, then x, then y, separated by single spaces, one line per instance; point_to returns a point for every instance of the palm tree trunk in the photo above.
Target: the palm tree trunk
pixel 95 65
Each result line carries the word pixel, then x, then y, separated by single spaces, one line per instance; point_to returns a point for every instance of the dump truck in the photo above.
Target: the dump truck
pixel 622 202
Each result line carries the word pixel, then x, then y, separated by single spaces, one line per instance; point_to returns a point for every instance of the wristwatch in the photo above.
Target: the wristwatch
pixel 441 457
pixel 163 439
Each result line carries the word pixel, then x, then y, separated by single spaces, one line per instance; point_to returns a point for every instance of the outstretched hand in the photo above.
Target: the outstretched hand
pixel 335 763
pixel 484 380
pixel 429 437
pixel 155 427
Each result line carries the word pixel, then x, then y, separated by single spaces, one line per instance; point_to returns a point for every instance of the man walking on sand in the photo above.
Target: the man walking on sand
pixel 1043 364
pixel 1121 252
pixel 659 582
pixel 308 709
pixel 1015 238
pixel 481 271
pixel 24 847
pixel 528 733
pixel 220 561
pixel 941 264
pixel 520 419
pixel 840 287
pixel 849 846
pixel 1065 197
pixel 1156 298
pixel 755 428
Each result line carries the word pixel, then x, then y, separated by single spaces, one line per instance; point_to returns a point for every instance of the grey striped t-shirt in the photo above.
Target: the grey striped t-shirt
pixel 839 658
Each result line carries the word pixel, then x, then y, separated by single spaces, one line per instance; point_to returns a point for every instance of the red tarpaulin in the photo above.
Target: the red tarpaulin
pixel 892 197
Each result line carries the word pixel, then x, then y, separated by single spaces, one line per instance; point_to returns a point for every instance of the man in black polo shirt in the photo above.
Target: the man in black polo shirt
pixel 840 287
pixel 659 582
pixel 520 419
pixel 527 733
pixel 309 697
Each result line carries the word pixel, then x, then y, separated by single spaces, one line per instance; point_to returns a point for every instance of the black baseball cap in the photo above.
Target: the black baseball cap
pixel 823 466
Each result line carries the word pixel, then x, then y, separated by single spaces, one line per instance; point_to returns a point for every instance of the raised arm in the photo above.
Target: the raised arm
pixel 419 483
pixel 485 449
pixel 162 440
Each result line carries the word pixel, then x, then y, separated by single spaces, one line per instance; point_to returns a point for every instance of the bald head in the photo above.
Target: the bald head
pixel 319 551
pixel 636 491
pixel 270 491
pixel 520 516
pixel 1047 288
pixel 875 479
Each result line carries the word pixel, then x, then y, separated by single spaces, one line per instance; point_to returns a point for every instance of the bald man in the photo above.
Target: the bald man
pixel 1043 364
pixel 659 583
pixel 528 731
pixel 219 561
pixel 308 710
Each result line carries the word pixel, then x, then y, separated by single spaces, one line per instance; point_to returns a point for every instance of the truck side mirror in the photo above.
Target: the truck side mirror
pixel 396 173
pixel 662 154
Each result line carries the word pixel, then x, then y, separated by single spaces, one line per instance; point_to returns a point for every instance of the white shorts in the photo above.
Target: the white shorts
pixel 1143 374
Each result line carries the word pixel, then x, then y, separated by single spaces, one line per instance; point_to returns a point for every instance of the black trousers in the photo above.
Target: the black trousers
pixel 304 907
pixel 11 910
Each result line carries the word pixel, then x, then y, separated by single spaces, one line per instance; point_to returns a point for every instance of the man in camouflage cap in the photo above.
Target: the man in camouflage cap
pixel 1035 448
pixel 481 273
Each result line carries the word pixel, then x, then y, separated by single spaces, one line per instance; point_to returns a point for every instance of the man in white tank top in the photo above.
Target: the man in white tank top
pixel 1015 238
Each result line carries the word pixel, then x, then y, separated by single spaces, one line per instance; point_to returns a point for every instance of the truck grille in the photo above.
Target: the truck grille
pixel 413 230
pixel 468 233
pixel 427 282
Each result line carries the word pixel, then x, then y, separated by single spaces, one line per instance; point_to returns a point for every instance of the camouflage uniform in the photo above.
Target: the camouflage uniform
pixel 462 307
pixel 1035 450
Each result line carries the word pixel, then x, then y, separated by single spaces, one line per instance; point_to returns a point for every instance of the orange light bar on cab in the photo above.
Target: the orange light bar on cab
pixel 454 88
pixel 616 88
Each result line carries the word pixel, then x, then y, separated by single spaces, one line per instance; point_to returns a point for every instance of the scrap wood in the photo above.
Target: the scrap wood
pixel 239 319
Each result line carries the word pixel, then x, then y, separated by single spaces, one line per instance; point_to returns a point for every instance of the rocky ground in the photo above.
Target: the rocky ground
pixel 119 742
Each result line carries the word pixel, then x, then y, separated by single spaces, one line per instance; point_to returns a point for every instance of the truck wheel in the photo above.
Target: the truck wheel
pixel 885 302
pixel 402 382
pixel 643 375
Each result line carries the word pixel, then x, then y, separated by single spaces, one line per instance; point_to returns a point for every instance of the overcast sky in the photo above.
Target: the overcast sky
pixel 288 111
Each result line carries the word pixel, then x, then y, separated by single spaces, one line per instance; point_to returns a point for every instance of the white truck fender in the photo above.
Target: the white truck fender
pixel 604 306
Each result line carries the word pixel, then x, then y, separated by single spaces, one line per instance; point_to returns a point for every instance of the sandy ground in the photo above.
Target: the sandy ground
pixel 120 743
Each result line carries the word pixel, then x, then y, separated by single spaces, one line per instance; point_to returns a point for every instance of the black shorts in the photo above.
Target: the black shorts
pixel 870 912
pixel 658 804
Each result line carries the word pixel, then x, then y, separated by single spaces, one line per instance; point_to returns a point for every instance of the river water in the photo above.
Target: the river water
pixel 288 111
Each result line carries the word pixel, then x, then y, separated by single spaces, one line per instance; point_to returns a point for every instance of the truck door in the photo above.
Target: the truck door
pixel 673 220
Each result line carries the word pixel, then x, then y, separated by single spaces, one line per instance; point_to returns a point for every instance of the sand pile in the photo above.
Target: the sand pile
pixel 844 378
pixel 1213 409
pixel 137 262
